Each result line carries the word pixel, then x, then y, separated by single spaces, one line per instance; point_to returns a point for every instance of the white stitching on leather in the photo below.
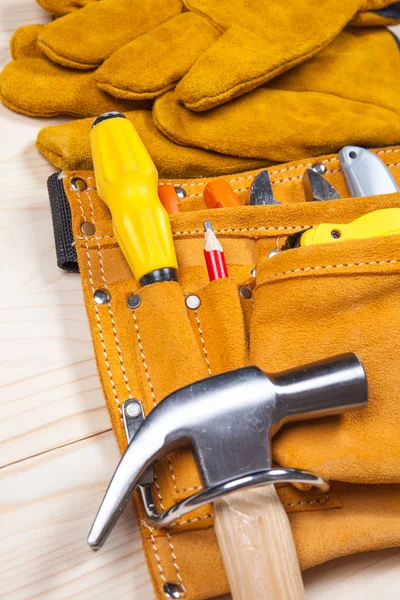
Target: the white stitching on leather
pixel 203 342
pixel 388 151
pixel 110 310
pixel 146 368
pixel 323 501
pixel 280 228
pixel 195 487
pixel 210 515
pixel 233 180
pixel 97 311
pixel 116 397
pixel 201 231
pixel 155 550
pixel 275 172
pixel 175 562
pixel 339 266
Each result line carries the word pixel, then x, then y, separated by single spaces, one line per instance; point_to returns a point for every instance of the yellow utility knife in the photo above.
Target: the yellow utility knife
pixel 377 223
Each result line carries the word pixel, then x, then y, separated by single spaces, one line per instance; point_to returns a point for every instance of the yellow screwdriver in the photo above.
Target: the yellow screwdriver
pixel 127 181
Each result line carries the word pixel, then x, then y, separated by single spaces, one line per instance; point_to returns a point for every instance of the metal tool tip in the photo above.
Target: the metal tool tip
pixel 208 226
pixel 261 192
pixel 96 537
pixel 107 115
pixel 94 545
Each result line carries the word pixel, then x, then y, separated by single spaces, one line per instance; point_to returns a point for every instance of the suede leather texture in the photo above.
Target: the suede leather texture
pixel 215 52
pixel 347 94
pixel 314 108
pixel 67 146
pixel 307 303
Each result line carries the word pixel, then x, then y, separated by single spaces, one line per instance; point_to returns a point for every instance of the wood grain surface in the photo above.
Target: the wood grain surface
pixel 57 451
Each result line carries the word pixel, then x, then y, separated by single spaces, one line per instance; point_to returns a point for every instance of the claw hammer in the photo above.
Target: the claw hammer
pixel 228 420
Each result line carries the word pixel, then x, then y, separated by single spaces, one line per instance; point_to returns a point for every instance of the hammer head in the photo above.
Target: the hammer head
pixel 229 420
pixel 241 410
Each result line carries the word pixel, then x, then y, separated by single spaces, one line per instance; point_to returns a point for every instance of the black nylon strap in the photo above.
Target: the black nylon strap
pixel 67 258
pixel 390 12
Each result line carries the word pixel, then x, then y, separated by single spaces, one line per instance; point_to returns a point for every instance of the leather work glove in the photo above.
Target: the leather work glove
pixel 347 94
pixel 215 50
pixel 67 146
pixel 70 148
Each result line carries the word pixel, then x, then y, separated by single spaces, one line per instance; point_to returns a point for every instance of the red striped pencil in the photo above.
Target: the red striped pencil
pixel 214 254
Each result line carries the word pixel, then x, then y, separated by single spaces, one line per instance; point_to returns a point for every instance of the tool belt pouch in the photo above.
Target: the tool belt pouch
pixel 300 305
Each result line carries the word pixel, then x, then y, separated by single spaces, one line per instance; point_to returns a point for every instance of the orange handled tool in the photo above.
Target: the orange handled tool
pixel 169 199
pixel 219 194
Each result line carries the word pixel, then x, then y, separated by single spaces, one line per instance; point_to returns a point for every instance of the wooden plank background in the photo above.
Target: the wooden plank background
pixel 57 451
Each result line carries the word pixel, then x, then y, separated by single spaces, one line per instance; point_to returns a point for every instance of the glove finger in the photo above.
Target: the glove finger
pixel 23 43
pixel 67 146
pixel 100 29
pixel 63 7
pixel 253 49
pixel 53 90
pixel 236 63
pixel 153 63
pixel 277 125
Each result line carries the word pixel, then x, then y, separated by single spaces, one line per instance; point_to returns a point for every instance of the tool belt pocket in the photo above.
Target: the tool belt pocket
pixel 178 338
pixel 318 301
pixel 219 325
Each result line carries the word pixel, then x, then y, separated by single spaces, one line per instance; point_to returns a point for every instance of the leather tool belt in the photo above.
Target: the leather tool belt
pixel 296 307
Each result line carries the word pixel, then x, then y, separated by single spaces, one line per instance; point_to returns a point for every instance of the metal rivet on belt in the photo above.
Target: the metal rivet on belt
pixel 78 184
pixel 88 228
pixel 134 301
pixel 101 297
pixel 173 590
pixel 319 168
pixel 193 302
pixel 245 292
pixel 180 192
pixel 134 409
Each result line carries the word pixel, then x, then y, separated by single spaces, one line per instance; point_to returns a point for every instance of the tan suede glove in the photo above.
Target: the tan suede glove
pixel 144 49
pixel 347 94
pixel 67 146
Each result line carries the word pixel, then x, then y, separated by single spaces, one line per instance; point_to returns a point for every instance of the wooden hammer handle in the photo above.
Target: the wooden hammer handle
pixel 257 546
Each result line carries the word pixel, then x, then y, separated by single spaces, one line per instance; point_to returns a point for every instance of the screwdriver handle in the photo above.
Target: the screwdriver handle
pixel 127 181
